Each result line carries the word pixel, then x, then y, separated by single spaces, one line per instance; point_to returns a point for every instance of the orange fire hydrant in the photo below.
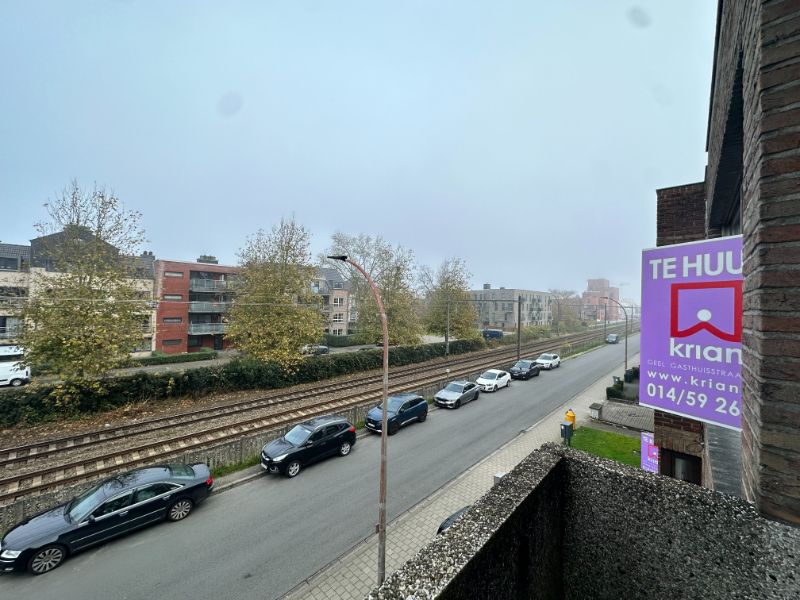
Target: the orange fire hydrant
pixel 570 417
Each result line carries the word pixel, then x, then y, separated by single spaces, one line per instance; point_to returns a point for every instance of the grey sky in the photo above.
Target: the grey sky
pixel 525 137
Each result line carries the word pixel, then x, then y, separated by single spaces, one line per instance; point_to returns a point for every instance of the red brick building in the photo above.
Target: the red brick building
pixel 192 299
pixel 594 304
pixel 752 187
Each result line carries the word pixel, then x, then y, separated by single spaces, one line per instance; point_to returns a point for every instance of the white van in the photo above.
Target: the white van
pixel 12 372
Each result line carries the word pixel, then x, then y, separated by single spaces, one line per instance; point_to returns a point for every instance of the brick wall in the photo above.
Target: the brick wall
pixel 681 214
pixel 674 432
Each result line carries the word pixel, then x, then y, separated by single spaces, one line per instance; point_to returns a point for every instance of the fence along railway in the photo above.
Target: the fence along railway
pixel 28 470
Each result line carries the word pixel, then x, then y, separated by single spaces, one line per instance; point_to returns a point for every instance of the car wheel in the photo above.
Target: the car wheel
pixel 422 417
pixel 458 403
pixel 345 448
pixel 393 429
pixel 17 383
pixel 180 509
pixel 293 468
pixel 46 559
pixel 508 383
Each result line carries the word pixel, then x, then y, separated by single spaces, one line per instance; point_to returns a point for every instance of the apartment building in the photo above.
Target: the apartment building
pixel 193 298
pixel 497 308
pixel 337 306
pixel 23 267
pixel 594 304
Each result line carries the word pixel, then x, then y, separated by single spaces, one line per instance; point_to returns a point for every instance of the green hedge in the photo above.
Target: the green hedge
pixel 159 358
pixel 338 341
pixel 37 403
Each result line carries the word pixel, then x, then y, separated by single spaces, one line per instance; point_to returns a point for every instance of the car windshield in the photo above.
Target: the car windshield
pixel 85 503
pixel 297 435
pixel 523 364
pixel 394 404
pixel 454 387
pixel 489 375
pixel 546 357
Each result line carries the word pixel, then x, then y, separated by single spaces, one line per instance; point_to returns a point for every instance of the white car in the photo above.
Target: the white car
pixel 493 379
pixel 549 361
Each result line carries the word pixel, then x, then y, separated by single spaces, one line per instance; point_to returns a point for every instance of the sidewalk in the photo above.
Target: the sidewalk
pixel 353 575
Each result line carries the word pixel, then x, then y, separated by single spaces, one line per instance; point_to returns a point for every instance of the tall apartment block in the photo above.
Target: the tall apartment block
pixel 337 307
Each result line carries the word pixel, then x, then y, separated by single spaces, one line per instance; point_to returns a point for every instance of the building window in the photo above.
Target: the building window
pixel 171 342
pixel 338 301
pixel 174 297
pixel 173 274
pixel 172 320
pixel 338 285
pixel 195 341
pixel 338 332
pixel 338 318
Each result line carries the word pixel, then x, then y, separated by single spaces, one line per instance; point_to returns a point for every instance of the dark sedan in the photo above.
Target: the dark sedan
pixel 457 393
pixel 308 442
pixel 402 410
pixel 107 510
pixel 524 369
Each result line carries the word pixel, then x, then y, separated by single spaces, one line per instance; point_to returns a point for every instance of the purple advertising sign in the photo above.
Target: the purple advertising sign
pixel 691 340
pixel 649 453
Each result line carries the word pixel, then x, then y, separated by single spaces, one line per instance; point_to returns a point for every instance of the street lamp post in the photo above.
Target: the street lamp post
pixel 384 421
pixel 626 328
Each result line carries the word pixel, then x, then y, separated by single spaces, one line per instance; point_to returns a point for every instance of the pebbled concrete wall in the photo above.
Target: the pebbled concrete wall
pixel 565 524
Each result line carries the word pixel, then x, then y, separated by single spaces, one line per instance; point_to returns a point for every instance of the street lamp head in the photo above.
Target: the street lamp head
pixel 339 257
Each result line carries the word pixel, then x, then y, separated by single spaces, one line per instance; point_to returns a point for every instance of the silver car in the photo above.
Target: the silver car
pixel 457 393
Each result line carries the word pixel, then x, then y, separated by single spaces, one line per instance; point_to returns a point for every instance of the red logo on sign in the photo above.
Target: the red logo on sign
pixel 697 300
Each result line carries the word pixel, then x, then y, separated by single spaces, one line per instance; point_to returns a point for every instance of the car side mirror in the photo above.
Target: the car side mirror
pixel 91 519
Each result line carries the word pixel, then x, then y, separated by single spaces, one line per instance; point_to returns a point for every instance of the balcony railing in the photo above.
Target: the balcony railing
pixel 207 328
pixel 208 307
pixel 200 285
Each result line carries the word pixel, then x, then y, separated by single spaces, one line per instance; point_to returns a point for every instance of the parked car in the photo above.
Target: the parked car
pixel 612 338
pixel 524 369
pixel 449 521
pixel 314 349
pixel 402 409
pixel 12 371
pixel 548 361
pixel 456 393
pixel 493 379
pixel 492 334
pixel 308 442
pixel 109 509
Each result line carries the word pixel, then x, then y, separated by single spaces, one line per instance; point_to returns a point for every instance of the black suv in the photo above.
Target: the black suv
pixel 401 409
pixel 308 442
pixel 524 369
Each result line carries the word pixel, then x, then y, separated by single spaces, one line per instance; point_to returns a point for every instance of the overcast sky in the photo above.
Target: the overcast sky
pixel 527 138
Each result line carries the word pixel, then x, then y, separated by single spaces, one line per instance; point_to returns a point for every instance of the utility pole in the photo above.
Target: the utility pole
pixel 447 331
pixel 519 326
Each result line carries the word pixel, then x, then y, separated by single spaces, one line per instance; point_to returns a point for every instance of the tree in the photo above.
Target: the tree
pixel 392 269
pixel 275 311
pixel 565 310
pixel 86 311
pixel 450 285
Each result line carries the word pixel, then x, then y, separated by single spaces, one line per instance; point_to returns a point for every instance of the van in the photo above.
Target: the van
pixel 13 372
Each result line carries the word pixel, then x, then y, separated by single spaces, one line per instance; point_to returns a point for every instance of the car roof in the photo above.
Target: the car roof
pixel 138 477
pixel 405 395
pixel 323 420
pixel 460 382
pixel 493 371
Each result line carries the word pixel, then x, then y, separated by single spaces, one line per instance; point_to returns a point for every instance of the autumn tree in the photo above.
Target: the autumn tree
pixel 449 285
pixel 86 309
pixel 565 309
pixel 392 268
pixel 275 311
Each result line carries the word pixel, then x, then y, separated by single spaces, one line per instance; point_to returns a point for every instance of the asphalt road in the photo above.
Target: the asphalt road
pixel 260 539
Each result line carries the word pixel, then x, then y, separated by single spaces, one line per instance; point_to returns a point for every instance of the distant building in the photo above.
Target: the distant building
pixel 594 305
pixel 497 307
pixel 337 306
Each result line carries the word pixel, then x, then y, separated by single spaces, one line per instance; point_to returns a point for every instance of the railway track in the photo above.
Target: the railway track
pixel 281 409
